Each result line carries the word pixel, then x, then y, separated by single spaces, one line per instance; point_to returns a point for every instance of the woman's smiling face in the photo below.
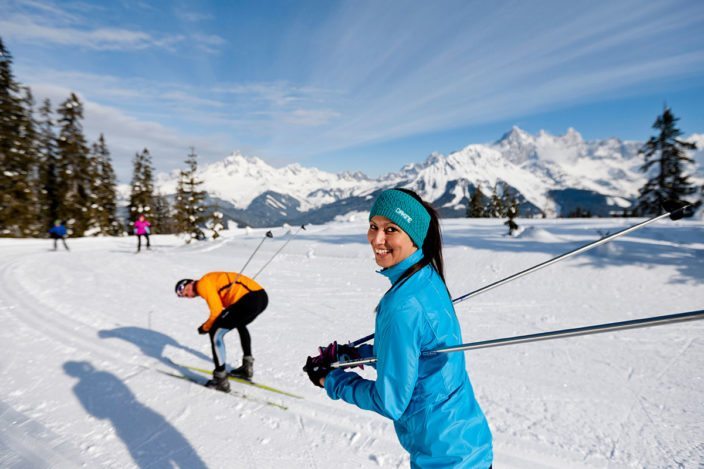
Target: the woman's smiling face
pixel 390 243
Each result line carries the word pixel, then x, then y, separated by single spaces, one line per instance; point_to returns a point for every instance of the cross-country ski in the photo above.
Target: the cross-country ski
pixel 231 392
pixel 247 382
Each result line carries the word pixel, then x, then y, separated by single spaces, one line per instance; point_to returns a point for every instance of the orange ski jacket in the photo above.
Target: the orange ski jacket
pixel 222 289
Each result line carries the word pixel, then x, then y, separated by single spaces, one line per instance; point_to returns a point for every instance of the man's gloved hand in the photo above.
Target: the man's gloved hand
pixel 201 330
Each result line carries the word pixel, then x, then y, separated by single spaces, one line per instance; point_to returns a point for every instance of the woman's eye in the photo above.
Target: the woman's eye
pixel 391 229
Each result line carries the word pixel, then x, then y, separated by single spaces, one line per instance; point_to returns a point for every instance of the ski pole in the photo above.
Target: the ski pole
pixel 559 334
pixel 302 227
pixel 268 234
pixel 674 210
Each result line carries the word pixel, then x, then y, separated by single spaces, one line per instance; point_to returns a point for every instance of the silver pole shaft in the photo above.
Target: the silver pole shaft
pixel 266 235
pixel 559 258
pixel 560 334
pixel 277 252
pixel 252 255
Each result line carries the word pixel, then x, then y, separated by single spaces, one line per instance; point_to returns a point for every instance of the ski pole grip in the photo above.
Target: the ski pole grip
pixel 678 209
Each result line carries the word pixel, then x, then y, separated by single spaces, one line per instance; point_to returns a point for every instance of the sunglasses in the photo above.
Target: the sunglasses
pixel 181 288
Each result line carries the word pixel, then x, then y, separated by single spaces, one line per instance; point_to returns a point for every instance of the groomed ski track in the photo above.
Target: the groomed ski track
pixel 84 331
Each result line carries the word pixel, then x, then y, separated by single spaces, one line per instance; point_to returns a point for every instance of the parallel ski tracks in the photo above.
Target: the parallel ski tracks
pixel 79 340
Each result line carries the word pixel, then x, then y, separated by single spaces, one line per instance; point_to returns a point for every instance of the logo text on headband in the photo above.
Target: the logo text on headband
pixel 404 215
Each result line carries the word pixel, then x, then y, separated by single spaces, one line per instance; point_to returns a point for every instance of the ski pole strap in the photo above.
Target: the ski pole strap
pixel 675 212
pixel 559 334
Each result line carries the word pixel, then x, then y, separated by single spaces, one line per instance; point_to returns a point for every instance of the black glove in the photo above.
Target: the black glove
pixel 201 330
pixel 319 367
pixel 316 370
pixel 348 352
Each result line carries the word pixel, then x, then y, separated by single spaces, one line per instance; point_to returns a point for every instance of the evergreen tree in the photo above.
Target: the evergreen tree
pixel 142 187
pixel 180 218
pixel 580 212
pixel 215 222
pixel 496 206
pixel 669 155
pixel 74 168
pixel 104 190
pixel 476 208
pixel 163 222
pixel 27 197
pixel 49 197
pixel 17 162
pixel 190 201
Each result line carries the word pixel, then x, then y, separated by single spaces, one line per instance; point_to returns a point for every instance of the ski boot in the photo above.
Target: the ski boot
pixel 246 371
pixel 219 381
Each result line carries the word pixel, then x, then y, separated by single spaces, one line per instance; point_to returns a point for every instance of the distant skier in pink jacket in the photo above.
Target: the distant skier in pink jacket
pixel 141 228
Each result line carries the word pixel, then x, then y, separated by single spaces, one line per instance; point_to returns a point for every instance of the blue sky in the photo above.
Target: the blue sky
pixel 356 85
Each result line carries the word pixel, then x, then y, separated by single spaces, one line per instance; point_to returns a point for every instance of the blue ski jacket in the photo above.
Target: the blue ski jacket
pixel 59 231
pixel 429 398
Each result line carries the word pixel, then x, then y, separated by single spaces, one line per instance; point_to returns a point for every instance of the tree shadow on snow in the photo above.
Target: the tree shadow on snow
pixel 647 247
pixel 150 439
pixel 688 262
pixel 656 245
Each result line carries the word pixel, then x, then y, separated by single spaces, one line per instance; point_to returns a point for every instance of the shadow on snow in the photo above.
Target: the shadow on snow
pixel 150 439
pixel 152 344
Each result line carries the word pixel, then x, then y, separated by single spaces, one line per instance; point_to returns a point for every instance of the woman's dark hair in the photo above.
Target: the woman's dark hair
pixel 432 246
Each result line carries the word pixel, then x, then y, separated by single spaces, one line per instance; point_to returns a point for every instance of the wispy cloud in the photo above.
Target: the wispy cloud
pixel 366 72
pixel 192 16
pixel 127 134
pixel 209 43
pixel 27 28
pixel 48 24
pixel 423 69
pixel 310 117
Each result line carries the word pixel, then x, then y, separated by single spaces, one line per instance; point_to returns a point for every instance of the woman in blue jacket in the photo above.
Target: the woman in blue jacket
pixel 429 398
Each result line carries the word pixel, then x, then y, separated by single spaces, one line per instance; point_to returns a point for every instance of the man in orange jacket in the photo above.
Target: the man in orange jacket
pixel 234 301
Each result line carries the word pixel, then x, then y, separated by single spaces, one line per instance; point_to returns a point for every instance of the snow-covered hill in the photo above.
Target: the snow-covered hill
pixel 87 336
pixel 240 179
pixel 549 174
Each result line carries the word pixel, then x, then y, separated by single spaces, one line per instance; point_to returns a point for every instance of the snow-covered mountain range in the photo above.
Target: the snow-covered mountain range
pixel 549 174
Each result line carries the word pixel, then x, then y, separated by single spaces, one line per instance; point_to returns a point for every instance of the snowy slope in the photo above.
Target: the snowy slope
pixel 85 333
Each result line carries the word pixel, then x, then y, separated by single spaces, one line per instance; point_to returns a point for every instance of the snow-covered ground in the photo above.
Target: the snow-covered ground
pixel 85 332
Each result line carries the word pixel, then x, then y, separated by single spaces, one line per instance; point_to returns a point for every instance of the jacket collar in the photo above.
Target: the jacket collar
pixel 394 272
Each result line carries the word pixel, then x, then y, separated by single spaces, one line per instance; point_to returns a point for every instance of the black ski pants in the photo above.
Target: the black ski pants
pixel 57 238
pixel 139 241
pixel 236 316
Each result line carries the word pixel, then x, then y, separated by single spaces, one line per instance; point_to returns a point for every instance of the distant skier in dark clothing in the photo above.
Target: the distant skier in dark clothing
pixel 58 232
pixel 142 227
pixel 234 301
pixel 511 213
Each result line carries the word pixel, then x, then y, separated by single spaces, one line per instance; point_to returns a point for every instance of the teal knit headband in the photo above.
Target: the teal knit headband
pixel 405 211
